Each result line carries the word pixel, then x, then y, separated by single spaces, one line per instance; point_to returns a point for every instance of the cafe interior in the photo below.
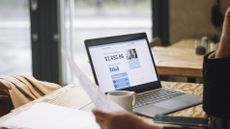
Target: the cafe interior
pixel 45 60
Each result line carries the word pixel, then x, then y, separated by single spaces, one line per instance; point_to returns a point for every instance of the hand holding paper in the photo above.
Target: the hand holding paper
pixel 95 94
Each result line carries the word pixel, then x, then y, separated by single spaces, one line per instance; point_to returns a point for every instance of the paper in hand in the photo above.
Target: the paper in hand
pixel 95 94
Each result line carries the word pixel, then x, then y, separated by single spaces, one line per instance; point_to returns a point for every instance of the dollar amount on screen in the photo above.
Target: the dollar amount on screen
pixel 114 57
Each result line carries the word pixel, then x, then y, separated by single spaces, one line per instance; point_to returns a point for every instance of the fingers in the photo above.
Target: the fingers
pixel 224 46
pixel 226 27
pixel 101 118
pixel 228 12
pixel 100 114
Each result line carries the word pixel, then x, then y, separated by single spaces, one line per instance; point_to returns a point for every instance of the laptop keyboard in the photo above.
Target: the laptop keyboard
pixel 155 96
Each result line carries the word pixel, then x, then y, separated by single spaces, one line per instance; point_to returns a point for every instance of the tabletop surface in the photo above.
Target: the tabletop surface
pixel 178 61
pixel 74 97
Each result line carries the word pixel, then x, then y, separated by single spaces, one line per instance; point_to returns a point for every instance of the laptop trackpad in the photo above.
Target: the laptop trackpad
pixel 169 104
pixel 160 108
pixel 150 110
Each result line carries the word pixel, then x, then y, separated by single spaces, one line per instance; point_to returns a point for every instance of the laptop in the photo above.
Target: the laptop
pixel 125 62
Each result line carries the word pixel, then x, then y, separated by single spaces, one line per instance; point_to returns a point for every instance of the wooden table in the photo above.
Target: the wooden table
pixel 74 97
pixel 178 61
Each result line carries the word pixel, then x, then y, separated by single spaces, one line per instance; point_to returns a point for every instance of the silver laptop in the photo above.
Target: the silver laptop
pixel 126 62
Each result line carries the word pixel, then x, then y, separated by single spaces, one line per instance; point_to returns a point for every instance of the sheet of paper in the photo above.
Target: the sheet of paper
pixel 95 94
pixel 48 116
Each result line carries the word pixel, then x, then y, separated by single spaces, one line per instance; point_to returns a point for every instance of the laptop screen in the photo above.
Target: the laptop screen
pixel 122 64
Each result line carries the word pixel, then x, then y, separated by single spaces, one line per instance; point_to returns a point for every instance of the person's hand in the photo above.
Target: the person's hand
pixel 223 49
pixel 121 120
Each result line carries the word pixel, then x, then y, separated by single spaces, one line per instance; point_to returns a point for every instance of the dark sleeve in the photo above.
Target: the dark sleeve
pixel 216 74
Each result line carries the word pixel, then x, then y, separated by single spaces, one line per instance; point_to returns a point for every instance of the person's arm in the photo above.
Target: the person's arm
pixel 121 120
pixel 126 120
pixel 223 49
pixel 216 73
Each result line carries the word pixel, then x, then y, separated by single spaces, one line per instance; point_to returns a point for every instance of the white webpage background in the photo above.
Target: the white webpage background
pixel 145 74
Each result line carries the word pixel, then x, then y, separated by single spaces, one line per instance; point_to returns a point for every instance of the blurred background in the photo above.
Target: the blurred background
pixel 33 31
pixel 89 19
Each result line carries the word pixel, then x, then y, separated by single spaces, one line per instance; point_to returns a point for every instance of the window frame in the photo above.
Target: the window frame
pixel 47 35
pixel 160 20
pixel 45 40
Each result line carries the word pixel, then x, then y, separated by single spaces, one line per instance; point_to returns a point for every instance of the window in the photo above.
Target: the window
pixel 98 18
pixel 15 37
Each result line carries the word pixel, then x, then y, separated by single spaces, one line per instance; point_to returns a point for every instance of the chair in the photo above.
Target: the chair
pixel 155 42
pixel 6 104
pixel 17 90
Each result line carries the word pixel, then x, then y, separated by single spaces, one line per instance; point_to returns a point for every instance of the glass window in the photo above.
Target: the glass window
pixel 98 18
pixel 15 51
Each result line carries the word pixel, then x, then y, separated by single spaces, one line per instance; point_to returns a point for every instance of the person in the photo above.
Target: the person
pixel 126 120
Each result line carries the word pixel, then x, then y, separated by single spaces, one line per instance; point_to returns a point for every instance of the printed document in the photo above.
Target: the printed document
pixel 48 116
